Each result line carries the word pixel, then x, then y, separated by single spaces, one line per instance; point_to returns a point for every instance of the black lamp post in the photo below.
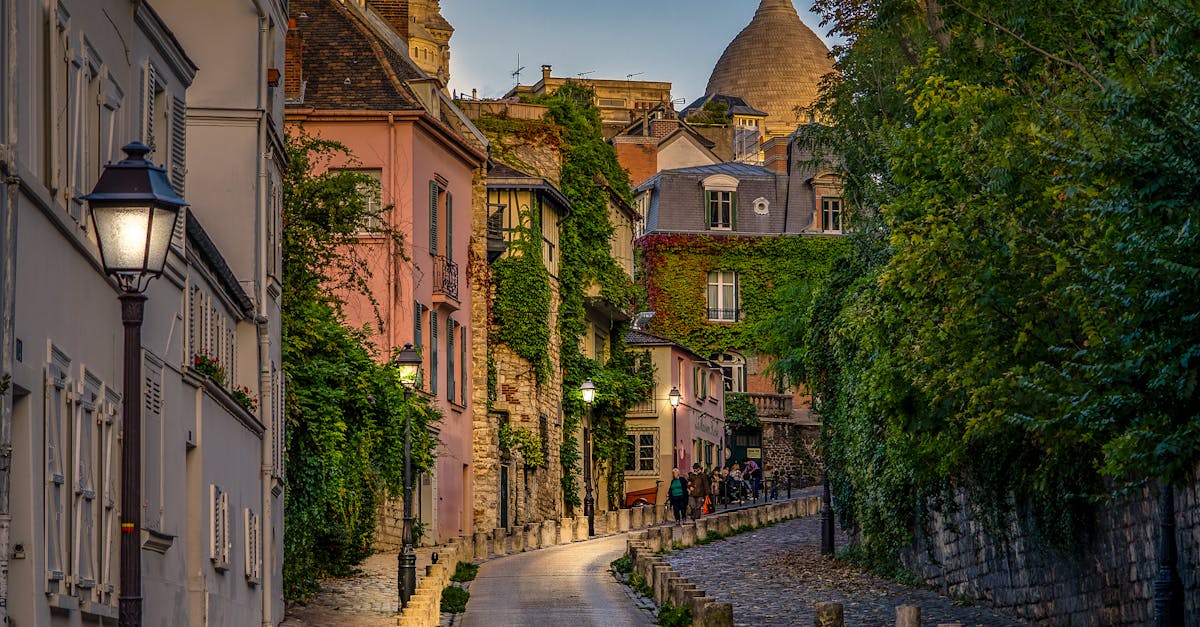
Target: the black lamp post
pixel 675 398
pixel 827 544
pixel 134 209
pixel 588 391
pixel 1168 611
pixel 408 363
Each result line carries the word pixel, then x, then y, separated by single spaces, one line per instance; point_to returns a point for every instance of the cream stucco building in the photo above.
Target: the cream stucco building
pixel 88 77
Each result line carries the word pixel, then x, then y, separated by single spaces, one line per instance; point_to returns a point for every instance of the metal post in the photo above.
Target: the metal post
pixel 407 580
pixel 674 442
pixel 1167 598
pixel 589 503
pixel 789 480
pixel 130 601
pixel 827 545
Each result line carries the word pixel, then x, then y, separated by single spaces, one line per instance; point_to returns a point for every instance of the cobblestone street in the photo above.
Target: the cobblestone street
pixel 776 576
pixel 367 599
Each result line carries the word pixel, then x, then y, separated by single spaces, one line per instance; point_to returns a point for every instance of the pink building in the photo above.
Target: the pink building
pixel 349 79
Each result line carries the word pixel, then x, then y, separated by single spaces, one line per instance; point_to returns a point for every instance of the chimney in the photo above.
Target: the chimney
pixel 545 73
pixel 293 69
pixel 394 12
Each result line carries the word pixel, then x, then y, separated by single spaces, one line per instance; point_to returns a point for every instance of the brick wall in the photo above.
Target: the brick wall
pixel 1112 583
pixel 640 160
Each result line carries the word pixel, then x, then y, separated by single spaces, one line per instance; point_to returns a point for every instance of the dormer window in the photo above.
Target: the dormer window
pixel 720 202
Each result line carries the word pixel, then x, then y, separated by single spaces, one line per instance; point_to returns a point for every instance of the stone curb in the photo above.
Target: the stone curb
pixel 644 548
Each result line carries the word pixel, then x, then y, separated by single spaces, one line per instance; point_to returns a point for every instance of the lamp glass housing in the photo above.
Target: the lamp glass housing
pixel 675 397
pixel 134 239
pixel 588 390
pixel 408 362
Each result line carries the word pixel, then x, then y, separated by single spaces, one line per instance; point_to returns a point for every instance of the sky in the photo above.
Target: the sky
pixel 677 41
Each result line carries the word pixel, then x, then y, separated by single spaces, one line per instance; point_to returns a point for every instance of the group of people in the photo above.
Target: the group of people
pixel 695 495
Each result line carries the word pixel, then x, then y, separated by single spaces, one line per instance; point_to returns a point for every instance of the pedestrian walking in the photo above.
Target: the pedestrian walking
pixel 697 490
pixel 677 495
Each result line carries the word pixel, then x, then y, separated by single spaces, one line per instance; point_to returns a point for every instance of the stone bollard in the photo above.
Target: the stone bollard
pixel 667 537
pixel 482 540
pixel 654 541
pixel 702 528
pixel 829 615
pixel 725 524
pixel 715 615
pixel 581 528
pixel 610 522
pixel 660 514
pixel 682 594
pixel 635 518
pixel 499 541
pixel 908 616
pixel 533 536
pixel 658 583
pixel 689 535
pixel 517 541
pixel 814 505
pixel 566 531
pixel 549 533
pixel 739 519
pixel 622 520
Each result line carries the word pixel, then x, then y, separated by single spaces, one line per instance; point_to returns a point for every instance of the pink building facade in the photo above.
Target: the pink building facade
pixel 394 123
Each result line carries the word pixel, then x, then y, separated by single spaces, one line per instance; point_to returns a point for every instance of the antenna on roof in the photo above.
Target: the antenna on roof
pixel 630 76
pixel 586 73
pixel 517 72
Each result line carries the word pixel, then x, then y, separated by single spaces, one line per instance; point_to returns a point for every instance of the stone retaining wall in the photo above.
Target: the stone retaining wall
pixel 1112 583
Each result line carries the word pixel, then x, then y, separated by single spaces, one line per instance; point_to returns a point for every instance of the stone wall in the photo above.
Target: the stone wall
pixel 782 442
pixel 485 429
pixel 1112 583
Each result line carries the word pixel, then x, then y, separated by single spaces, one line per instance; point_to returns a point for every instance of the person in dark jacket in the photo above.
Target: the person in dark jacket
pixel 677 495
pixel 697 490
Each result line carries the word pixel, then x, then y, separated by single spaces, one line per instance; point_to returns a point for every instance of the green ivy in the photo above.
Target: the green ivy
pixel 521 309
pixel 676 268
pixel 525 442
pixel 740 412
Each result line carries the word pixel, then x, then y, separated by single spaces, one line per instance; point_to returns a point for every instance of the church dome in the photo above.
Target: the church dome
pixel 775 64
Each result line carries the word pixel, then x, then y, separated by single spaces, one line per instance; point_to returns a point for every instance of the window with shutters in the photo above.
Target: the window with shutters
pixel 418 343
pixel 85 76
pixel 435 191
pixel 277 435
pixel 109 484
pixel 57 413
pixel 219 538
pixel 212 338
pixel 433 352
pixel 253 548
pixel 152 442
pixel 450 377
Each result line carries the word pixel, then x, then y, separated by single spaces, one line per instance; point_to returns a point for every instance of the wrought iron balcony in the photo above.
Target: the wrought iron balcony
pixel 445 277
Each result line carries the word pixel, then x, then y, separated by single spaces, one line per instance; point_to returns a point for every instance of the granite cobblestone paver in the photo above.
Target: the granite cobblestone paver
pixel 368 598
pixel 775 577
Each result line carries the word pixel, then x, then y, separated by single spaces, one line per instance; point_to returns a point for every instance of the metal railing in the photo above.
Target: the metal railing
pixel 724 315
pixel 445 277
pixel 642 408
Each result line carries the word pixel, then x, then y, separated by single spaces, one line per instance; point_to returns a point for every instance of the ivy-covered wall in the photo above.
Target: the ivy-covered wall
pixel 675 271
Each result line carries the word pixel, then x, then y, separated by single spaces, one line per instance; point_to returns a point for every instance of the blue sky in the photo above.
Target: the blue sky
pixel 677 41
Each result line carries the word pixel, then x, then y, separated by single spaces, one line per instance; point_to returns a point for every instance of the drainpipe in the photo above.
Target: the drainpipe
pixel 8 242
pixel 262 319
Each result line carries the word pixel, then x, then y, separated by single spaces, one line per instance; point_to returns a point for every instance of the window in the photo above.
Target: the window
pixel 371 193
pixel 723 296
pixel 612 102
pixel 219 543
pixel 700 382
pixel 831 215
pixel 643 452
pixel 720 209
pixel 733 371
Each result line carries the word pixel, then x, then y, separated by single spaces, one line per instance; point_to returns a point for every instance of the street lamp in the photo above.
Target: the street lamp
pixel 134 209
pixel 588 391
pixel 675 398
pixel 408 363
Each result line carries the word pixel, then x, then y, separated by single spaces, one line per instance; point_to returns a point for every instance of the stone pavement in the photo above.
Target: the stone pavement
pixel 367 599
pixel 775 576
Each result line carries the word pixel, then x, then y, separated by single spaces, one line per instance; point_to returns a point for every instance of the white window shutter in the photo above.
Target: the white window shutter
pixel 219 536
pixel 85 488
pixel 253 548
pixel 56 413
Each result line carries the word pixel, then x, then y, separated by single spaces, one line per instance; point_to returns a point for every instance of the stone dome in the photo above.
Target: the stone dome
pixel 775 64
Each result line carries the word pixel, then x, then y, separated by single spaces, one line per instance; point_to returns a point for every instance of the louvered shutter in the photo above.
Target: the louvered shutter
pixel 149 87
pixel 219 538
pixel 56 409
pixel 433 351
pixel 85 486
pixel 433 217
pixel 418 324
pixel 462 390
pixel 109 425
pixel 253 548
pixel 178 168
pixel 449 226
pixel 152 429
pixel 450 359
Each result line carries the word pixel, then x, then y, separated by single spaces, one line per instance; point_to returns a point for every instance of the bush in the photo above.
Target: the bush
pixel 623 565
pixel 464 571
pixel 675 616
pixel 454 600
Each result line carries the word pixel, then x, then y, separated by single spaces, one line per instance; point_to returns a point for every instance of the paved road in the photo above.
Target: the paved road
pixel 563 585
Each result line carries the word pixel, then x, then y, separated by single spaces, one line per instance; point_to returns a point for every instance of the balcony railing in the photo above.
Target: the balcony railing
pixel 771 405
pixel 642 408
pixel 445 277
pixel 724 315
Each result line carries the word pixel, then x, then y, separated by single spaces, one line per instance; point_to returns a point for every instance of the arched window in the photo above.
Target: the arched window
pixel 733 369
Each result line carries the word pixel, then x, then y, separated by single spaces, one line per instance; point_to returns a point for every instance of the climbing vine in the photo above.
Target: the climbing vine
pixel 676 268
pixel 521 308
pixel 345 413
pixel 525 442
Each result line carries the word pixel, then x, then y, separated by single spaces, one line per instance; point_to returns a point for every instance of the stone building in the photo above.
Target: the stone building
pixel 620 101
pixel 660 140
pixel 88 77
pixel 358 86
